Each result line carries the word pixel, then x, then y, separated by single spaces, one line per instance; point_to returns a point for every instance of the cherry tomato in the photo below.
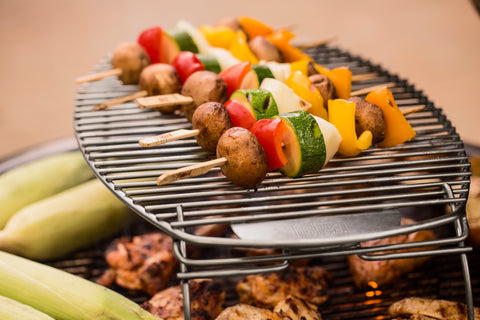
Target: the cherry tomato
pixel 186 63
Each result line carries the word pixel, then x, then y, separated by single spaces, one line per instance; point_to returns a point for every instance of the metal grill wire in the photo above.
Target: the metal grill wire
pixel 431 171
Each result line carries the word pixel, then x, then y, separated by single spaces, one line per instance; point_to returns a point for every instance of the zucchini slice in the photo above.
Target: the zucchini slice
pixel 210 62
pixel 304 144
pixel 260 101
pixel 183 39
pixel 262 72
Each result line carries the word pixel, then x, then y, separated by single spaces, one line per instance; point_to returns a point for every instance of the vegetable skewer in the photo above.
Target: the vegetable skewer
pixel 163 46
pixel 242 112
pixel 309 142
pixel 353 117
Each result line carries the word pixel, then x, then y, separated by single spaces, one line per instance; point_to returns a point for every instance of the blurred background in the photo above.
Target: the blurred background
pixel 45 45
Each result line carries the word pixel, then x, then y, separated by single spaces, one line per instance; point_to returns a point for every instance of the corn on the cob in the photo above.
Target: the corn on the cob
pixel 67 221
pixel 13 310
pixel 39 179
pixel 62 295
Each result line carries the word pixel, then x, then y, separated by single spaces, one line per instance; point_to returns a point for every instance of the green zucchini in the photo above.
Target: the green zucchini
pixel 210 62
pixel 260 101
pixel 262 72
pixel 183 39
pixel 304 145
pixel 201 43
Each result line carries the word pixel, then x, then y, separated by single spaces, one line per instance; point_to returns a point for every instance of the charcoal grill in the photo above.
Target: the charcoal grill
pixel 426 178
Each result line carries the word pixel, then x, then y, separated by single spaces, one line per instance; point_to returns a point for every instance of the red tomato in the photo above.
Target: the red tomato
pixel 269 133
pixel 241 116
pixel 151 41
pixel 186 63
pixel 234 75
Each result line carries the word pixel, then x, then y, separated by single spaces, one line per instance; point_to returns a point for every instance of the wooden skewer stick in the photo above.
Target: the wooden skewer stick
pixel 112 102
pixel 317 43
pixel 409 110
pixel 364 76
pixel 163 100
pixel 167 137
pixel 190 171
pixel 99 75
pixel 370 89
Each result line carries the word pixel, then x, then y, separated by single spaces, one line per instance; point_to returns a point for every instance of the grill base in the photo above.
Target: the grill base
pixel 440 278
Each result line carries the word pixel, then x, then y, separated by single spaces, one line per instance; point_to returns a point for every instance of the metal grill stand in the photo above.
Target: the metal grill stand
pixel 430 171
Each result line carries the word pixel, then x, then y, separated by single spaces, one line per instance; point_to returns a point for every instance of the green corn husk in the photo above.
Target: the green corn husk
pixel 39 179
pixel 62 295
pixel 13 310
pixel 65 222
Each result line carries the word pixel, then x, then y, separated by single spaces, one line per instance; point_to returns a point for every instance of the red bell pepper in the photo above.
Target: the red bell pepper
pixel 241 116
pixel 234 75
pixel 269 133
pixel 186 63
pixel 151 41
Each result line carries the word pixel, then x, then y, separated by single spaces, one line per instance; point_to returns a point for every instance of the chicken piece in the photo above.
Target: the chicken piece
pixel 386 271
pixel 245 311
pixel 267 290
pixel 206 301
pixel 145 263
pixel 433 309
pixel 289 309
pixel 294 308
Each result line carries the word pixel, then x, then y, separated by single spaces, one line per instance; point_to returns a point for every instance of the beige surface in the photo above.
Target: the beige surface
pixel 46 44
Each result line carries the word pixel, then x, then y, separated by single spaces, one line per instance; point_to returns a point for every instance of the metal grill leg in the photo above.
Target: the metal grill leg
pixel 183 269
pixel 185 286
pixel 466 273
pixel 468 287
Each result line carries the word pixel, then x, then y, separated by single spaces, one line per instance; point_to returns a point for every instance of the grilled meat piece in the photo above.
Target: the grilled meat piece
pixel 433 309
pixel 206 301
pixel 145 263
pixel 289 309
pixel 294 308
pixel 386 271
pixel 413 317
pixel 245 311
pixel 267 290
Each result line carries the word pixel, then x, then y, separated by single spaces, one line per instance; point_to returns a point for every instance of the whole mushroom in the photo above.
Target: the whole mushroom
pixel 131 58
pixel 325 86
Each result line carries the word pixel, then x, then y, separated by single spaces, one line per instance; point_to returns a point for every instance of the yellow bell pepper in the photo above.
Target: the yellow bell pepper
pixel 218 36
pixel 254 27
pixel 341 113
pixel 240 49
pixel 301 65
pixel 341 78
pixel 397 128
pixel 303 87
pixel 321 69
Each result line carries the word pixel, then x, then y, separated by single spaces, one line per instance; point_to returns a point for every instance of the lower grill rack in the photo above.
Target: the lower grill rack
pixel 329 213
